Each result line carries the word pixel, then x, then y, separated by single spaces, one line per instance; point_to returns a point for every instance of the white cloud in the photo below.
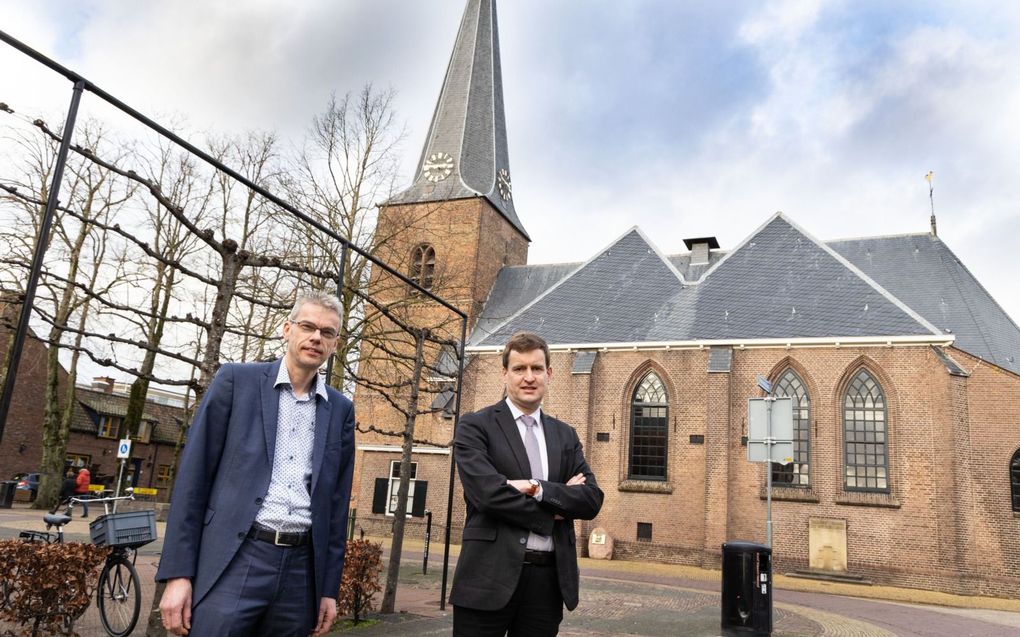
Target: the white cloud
pixel 684 120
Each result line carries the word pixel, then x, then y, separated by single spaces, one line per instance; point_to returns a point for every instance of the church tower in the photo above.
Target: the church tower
pixel 451 231
pixel 456 225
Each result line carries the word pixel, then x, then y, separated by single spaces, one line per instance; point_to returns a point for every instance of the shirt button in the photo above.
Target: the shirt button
pixel 524 540
pixel 258 500
pixel 240 536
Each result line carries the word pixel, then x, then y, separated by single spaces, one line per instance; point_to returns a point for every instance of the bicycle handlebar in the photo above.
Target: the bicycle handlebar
pixel 76 500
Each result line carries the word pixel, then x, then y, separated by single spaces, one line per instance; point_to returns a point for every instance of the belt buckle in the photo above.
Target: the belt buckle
pixel 276 540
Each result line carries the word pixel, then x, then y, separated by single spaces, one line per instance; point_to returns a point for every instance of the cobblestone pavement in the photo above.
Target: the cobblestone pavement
pixel 627 598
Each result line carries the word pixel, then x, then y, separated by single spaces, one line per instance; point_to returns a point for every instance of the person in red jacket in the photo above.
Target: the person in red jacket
pixel 82 489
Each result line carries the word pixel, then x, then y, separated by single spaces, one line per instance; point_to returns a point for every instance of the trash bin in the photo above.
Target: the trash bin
pixel 7 488
pixel 746 590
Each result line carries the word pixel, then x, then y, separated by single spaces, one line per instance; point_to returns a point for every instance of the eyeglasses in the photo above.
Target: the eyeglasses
pixel 307 327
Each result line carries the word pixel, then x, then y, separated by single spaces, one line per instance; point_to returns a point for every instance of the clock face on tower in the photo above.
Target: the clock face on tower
pixel 503 182
pixel 437 167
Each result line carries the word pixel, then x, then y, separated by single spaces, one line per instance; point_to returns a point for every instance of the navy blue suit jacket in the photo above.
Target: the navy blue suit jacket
pixel 224 474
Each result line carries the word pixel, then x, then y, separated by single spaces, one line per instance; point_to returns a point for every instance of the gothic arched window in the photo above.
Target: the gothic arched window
pixel 423 265
pixel 649 429
pixel 1014 480
pixel 797 473
pixel 865 435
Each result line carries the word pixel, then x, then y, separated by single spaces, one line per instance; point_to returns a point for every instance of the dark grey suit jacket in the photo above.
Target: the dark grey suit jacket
pixel 225 470
pixel 488 449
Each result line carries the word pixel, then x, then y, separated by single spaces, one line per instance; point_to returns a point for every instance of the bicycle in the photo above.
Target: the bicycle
pixel 118 594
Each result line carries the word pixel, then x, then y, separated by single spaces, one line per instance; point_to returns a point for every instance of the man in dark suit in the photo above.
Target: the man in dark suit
pixel 255 539
pixel 525 481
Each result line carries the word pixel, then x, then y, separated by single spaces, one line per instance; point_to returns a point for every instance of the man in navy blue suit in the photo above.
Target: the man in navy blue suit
pixel 255 539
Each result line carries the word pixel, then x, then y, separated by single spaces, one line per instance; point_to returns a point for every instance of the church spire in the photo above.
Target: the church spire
pixel 465 153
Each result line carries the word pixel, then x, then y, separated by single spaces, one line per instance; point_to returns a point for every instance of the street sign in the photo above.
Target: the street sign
pixel 124 449
pixel 779 446
pixel 758 423
pixel 764 384
pixel 145 491
pixel 782 452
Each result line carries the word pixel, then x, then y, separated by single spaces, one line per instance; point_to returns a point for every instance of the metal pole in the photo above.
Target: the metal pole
pixel 769 445
pixel 428 541
pixel 453 463
pixel 42 242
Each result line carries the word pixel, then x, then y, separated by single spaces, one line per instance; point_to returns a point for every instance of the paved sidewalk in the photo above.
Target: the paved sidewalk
pixel 632 598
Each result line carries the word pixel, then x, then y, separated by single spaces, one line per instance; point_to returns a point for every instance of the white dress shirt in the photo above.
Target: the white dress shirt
pixel 536 542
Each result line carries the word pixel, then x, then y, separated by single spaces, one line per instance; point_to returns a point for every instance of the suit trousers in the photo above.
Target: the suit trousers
pixel 534 610
pixel 266 590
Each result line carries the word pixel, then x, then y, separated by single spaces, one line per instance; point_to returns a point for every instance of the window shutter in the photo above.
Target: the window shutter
pixel 379 497
pixel 421 489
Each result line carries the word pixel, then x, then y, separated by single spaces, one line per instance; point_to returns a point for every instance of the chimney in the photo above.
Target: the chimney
pixel 103 384
pixel 700 247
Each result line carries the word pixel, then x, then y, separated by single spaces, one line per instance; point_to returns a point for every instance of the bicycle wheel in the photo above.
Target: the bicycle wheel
pixel 119 596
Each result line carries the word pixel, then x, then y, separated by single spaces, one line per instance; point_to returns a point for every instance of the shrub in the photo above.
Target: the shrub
pixel 361 578
pixel 47 587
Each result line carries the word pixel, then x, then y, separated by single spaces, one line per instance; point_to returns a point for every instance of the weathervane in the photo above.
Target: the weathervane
pixel 931 197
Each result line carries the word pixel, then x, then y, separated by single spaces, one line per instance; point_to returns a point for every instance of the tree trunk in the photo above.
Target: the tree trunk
pixel 400 515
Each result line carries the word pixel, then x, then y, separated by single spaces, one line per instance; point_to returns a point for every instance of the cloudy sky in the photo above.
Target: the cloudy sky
pixel 686 119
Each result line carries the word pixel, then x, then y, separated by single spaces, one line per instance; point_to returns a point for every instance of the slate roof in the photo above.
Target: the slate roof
pixel 469 124
pixel 167 419
pixel 779 283
pixel 925 274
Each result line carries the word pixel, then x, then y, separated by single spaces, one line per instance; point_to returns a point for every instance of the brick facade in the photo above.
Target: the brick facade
pixel 945 523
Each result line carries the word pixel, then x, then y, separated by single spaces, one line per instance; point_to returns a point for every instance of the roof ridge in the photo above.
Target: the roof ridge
pixel 864 277
pixel 715 266
pixel 547 292
pixel 884 236
pixel 542 265
pixel 960 263
pixel 669 264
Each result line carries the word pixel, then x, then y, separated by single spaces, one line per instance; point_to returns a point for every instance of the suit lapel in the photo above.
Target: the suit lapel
pixel 322 423
pixel 553 447
pixel 270 408
pixel 513 438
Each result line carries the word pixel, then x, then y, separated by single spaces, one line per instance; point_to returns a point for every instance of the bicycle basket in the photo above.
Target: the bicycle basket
pixel 129 528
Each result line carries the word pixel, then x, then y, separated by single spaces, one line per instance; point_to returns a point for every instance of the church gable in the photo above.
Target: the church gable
pixel 779 283
pixel 782 283
pixel 614 297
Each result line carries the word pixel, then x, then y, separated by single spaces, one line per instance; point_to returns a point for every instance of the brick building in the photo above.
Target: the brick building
pixel 905 373
pixel 96 423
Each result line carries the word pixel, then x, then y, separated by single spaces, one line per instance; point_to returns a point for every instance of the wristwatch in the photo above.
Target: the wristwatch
pixel 534 487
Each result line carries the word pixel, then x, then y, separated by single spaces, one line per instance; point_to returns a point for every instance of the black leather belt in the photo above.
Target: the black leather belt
pixel 279 538
pixel 540 558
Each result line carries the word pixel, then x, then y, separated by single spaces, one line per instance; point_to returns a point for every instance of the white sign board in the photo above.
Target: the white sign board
pixel 124 449
pixel 757 419
pixel 782 452
pixel 758 442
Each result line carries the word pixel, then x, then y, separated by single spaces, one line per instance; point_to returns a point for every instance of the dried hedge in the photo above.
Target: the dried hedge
pixel 45 588
pixel 360 583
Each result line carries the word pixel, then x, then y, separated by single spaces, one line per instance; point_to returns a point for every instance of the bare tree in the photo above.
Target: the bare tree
pixel 93 195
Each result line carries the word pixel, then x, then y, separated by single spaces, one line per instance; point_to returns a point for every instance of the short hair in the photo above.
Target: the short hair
pixel 315 297
pixel 525 342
